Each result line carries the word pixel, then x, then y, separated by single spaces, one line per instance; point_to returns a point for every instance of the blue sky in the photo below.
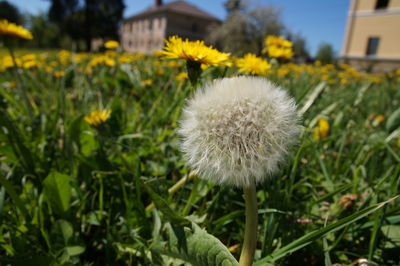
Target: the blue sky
pixel 318 21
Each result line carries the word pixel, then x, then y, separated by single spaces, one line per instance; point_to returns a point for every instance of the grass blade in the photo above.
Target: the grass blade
pixel 317 234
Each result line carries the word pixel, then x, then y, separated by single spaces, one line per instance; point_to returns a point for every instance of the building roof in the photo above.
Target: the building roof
pixel 180 6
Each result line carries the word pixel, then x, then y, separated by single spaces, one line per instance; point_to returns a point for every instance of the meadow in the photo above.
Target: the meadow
pixel 120 192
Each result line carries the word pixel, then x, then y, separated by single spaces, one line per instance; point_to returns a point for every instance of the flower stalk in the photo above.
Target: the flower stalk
pixel 250 233
pixel 19 81
pixel 194 72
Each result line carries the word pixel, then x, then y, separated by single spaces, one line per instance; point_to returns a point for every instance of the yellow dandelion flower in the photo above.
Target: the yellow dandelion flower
pixel 251 64
pixel 160 71
pixel 157 63
pixel 322 131
pixel 282 72
pixel 204 66
pixel 109 62
pixel 146 82
pixel 97 117
pixel 278 47
pixel 378 120
pixel 12 29
pixel 59 74
pixel 174 64
pixel 272 40
pixel 102 60
pixel 197 51
pixel 29 64
pixel 276 52
pixel 127 58
pixel 181 76
pixel 111 45
pixel 158 53
pixel 29 57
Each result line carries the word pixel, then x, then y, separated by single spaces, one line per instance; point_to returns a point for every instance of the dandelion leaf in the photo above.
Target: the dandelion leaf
pixel 196 247
pixel 57 190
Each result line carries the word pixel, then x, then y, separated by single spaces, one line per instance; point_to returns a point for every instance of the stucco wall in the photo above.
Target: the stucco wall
pixel 364 5
pixel 193 28
pixel 139 37
pixel 144 35
pixel 386 27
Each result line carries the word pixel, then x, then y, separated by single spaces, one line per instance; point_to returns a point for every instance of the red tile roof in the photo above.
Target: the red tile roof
pixel 181 7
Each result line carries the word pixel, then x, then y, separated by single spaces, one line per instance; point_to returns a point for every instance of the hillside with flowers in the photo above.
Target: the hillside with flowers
pixel 192 156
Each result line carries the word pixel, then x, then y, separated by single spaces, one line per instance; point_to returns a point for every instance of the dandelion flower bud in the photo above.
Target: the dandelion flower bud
pixel 237 131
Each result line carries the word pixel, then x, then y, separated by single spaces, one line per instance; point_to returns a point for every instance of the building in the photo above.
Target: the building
pixel 372 37
pixel 145 32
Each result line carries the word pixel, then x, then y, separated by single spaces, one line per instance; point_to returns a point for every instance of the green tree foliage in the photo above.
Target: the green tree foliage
pixel 10 12
pixel 245 28
pixel 233 6
pixel 87 20
pixel 325 54
pixel 299 46
pixel 46 33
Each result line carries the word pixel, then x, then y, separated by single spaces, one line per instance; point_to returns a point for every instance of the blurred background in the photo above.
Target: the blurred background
pixel 359 32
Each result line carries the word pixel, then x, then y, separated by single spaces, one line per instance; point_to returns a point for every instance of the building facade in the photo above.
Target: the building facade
pixel 372 37
pixel 145 32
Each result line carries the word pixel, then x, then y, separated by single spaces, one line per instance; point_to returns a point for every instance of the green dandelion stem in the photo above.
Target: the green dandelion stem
pixel 250 233
pixel 194 72
pixel 20 81
pixel 178 185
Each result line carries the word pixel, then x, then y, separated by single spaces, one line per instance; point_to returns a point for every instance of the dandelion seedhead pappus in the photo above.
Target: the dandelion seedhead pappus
pixel 238 131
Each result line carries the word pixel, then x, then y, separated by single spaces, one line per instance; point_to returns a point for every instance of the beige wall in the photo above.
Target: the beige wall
pixel 193 28
pixel 367 22
pixel 376 26
pixel 144 35
pixel 139 37
pixel 370 4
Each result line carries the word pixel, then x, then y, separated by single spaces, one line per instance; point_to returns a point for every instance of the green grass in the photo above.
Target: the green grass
pixel 74 194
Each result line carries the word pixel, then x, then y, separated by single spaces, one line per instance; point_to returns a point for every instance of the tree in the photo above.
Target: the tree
pixel 46 33
pixel 102 18
pixel 245 29
pixel 233 6
pixel 10 12
pixel 325 54
pixel 300 48
pixel 263 21
pixel 89 19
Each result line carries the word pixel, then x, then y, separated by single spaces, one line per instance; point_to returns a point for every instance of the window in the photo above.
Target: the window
pixel 194 27
pixel 381 4
pixel 372 46
pixel 150 24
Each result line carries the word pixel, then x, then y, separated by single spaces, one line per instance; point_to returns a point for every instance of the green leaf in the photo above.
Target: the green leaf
pixel 74 130
pixel 392 232
pixel 196 247
pixel 13 194
pixel 57 189
pixel 75 250
pixel 393 121
pixel 317 234
pixel 164 207
pixel 35 260
pixel 66 230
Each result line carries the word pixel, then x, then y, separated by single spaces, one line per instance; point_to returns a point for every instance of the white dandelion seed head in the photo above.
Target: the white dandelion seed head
pixel 237 131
